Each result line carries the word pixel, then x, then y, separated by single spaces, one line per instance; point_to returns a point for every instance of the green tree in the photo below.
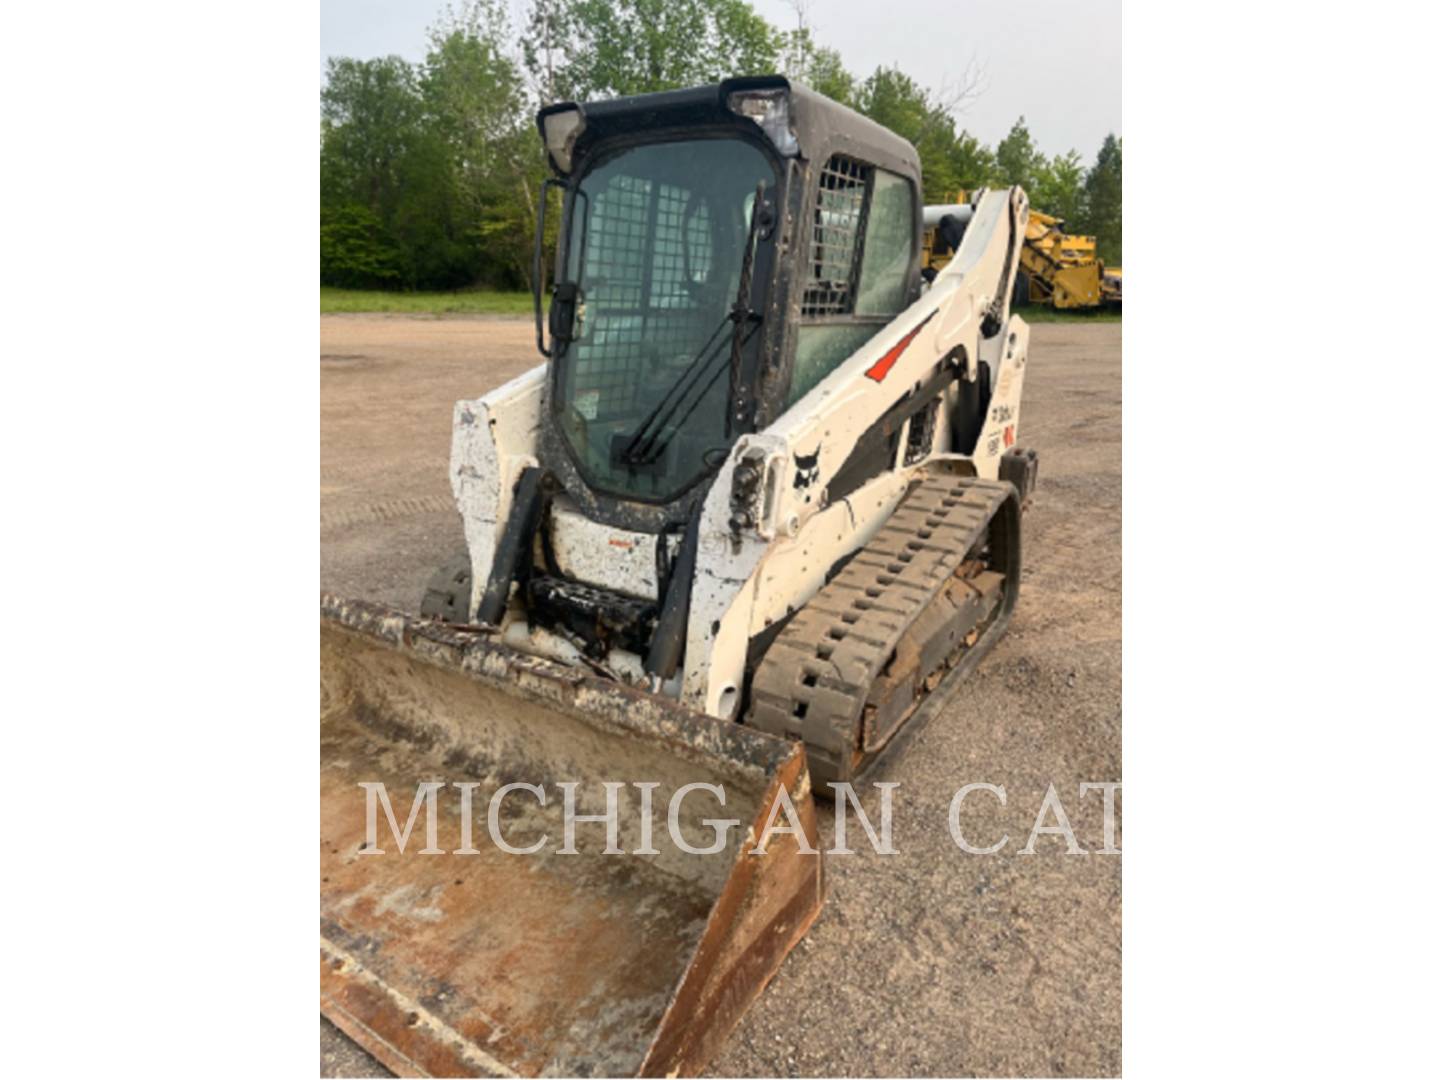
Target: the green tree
pixel 1017 161
pixel 475 105
pixel 1060 188
pixel 547 30
pixel 971 163
pixel 356 251
pixel 430 174
pixel 896 101
pixel 803 59
pixel 607 48
pixel 949 160
pixel 383 195
pixel 472 91
pixel 1102 214
pixel 825 73
pixel 370 113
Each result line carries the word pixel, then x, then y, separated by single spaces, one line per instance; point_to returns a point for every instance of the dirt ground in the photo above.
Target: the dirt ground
pixel 927 962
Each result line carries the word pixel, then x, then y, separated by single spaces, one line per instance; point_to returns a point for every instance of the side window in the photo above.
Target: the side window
pixel 861 249
pixel 839 210
pixel 889 246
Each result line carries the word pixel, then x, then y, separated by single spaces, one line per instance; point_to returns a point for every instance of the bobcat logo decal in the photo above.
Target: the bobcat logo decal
pixel 807 469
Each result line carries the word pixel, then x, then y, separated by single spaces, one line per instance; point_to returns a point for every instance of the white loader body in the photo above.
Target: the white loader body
pixel 741 587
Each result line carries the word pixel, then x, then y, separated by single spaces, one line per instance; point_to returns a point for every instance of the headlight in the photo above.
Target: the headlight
pixel 562 128
pixel 771 110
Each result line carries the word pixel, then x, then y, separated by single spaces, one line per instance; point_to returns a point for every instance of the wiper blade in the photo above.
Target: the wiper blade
pixel 742 313
pixel 638 451
pixel 653 454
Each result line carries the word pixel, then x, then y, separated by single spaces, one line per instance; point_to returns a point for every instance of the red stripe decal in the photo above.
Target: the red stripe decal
pixel 881 367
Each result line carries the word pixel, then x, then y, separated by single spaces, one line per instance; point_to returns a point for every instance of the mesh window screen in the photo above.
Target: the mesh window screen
pixel 656 241
pixel 839 210
pixel 645 241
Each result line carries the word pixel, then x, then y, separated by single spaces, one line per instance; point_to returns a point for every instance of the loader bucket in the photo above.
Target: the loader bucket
pixel 473 961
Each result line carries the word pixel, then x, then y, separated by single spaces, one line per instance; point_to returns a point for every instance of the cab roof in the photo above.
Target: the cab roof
pixel 821 126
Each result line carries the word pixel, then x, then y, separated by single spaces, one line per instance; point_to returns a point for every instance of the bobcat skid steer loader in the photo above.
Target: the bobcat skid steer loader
pixel 759 508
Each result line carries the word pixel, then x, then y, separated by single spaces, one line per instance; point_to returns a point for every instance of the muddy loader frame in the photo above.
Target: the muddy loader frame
pixel 818 450
pixel 758 511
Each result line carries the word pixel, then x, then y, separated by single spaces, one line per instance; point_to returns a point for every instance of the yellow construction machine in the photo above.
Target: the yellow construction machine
pixel 1110 286
pixel 1058 269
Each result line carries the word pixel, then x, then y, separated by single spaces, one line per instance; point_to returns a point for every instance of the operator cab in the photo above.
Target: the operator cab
pixel 721 250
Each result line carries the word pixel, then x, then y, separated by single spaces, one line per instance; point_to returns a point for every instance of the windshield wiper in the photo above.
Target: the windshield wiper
pixel 742 314
pixel 656 447
pixel 645 446
pixel 639 450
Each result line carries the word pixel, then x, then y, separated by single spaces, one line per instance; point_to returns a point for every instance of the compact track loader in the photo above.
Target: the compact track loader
pixel 759 509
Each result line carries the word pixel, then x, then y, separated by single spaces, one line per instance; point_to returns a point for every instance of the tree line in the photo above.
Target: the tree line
pixel 430 171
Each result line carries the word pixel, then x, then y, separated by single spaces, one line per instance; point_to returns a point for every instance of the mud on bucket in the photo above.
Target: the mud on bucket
pixel 497 963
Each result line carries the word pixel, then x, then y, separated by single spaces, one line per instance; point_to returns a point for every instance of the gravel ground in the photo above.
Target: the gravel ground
pixel 927 962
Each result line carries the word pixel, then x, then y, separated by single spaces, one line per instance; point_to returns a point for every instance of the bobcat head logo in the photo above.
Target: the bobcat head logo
pixel 807 469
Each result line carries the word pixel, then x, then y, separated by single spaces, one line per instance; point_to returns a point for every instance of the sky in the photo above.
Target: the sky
pixel 1057 63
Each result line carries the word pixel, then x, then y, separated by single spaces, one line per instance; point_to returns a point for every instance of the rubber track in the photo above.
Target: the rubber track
pixel 817 676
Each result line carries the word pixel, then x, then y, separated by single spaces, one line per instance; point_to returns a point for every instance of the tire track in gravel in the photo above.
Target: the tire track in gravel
pixel 387 510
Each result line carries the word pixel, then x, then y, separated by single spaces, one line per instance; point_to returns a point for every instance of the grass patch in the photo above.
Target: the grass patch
pixel 470 302
pixel 1034 313
pixel 491 302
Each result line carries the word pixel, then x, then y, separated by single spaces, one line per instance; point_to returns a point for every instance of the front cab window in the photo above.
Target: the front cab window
pixel 655 244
